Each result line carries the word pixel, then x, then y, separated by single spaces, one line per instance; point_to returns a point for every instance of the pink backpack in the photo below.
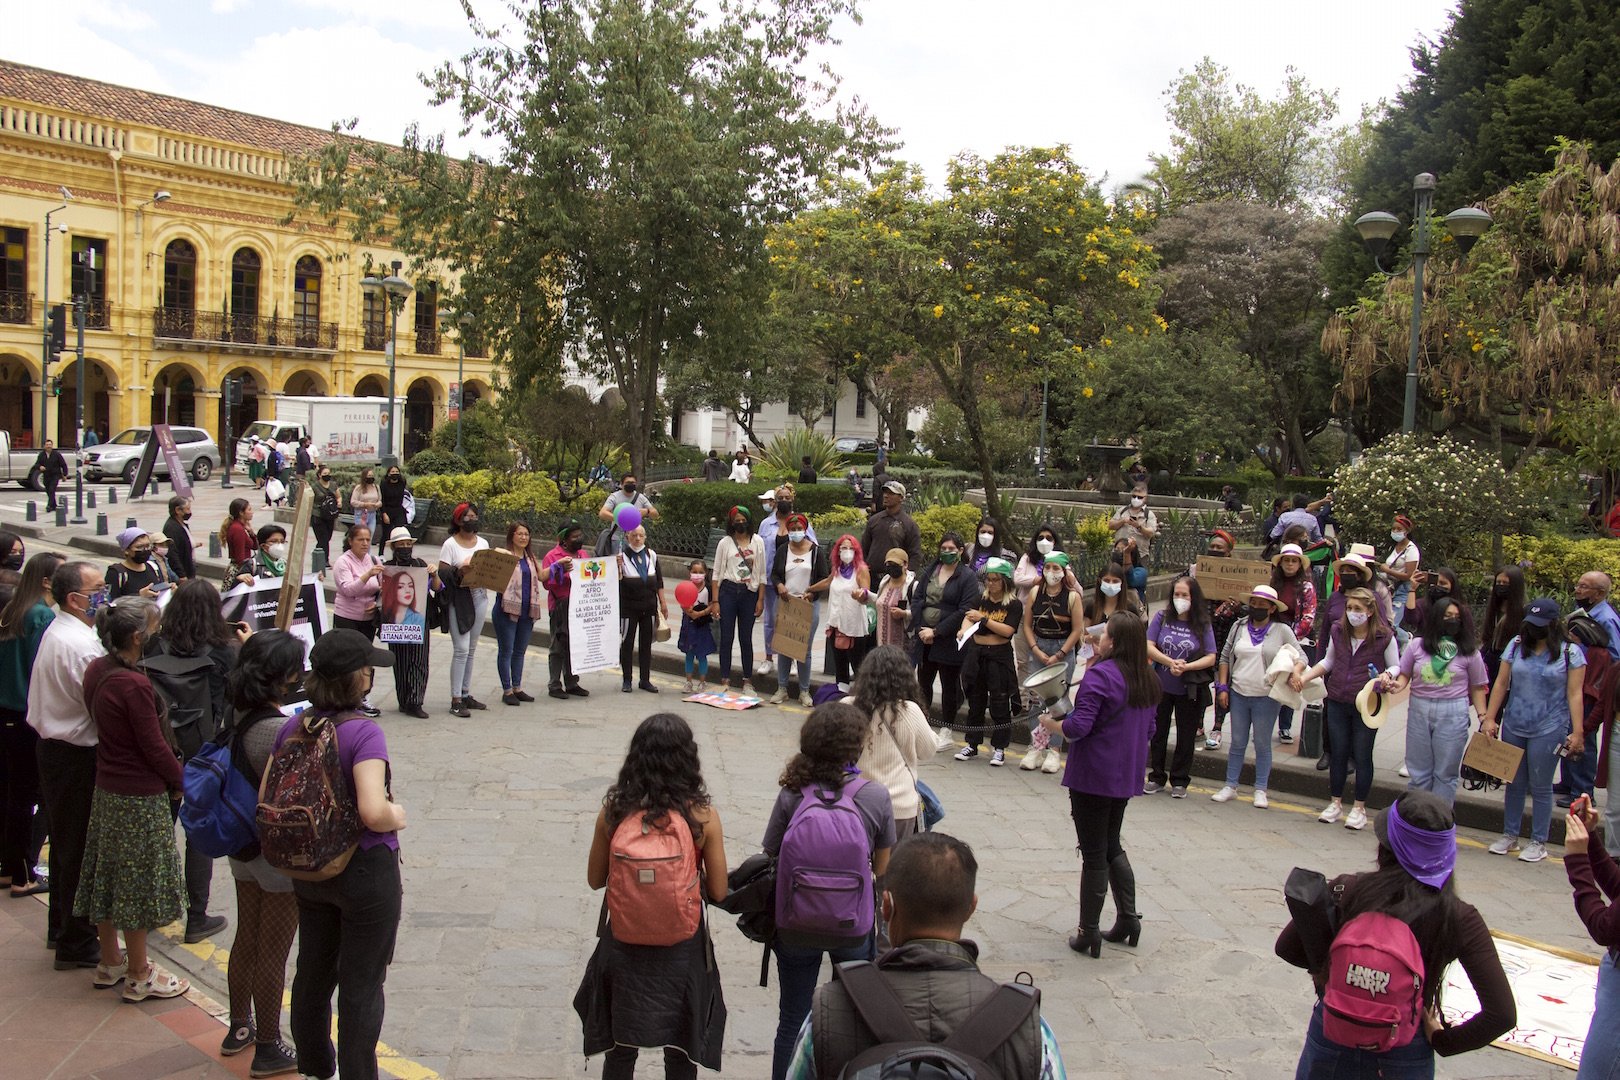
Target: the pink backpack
pixel 654 893
pixel 1373 999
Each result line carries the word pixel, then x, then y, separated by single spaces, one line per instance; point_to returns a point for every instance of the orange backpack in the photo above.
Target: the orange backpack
pixel 654 893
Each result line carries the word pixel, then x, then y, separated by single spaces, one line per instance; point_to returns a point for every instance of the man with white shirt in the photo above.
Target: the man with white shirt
pixel 67 750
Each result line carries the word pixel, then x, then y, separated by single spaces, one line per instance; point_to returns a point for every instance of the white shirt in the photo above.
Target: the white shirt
pixel 56 689
pixel 458 556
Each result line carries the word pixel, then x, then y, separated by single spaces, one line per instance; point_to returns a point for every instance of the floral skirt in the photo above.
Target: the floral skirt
pixel 131 876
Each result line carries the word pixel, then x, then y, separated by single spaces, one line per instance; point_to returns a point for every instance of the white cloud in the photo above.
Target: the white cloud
pixel 432 14
pixel 226 7
pixel 115 16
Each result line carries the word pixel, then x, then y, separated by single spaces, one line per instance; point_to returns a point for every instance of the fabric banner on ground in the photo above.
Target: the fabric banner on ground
pixel 1555 992
pixel 723 701
pixel 257 604
pixel 793 620
pixel 593 615
pixel 404 605
pixel 1231 579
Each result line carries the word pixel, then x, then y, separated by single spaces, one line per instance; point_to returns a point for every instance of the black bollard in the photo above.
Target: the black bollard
pixel 213 545
pixel 61 514
pixel 112 496
pixel 31 512
pixel 90 498
pixel 130 523
pixel 101 524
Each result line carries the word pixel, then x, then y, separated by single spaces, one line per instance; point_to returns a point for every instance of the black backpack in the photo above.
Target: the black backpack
pixel 182 687
pixel 904 1052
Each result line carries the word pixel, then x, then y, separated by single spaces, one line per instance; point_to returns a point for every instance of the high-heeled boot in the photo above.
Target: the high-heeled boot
pixel 1093 893
pixel 1127 920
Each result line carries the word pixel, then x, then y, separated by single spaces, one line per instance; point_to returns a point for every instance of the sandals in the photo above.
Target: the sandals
pixel 33 888
pixel 157 984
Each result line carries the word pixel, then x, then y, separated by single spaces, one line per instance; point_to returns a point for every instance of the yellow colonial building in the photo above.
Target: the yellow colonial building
pixel 206 271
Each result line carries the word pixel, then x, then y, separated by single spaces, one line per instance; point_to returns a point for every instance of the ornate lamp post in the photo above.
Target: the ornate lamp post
pixel 395 289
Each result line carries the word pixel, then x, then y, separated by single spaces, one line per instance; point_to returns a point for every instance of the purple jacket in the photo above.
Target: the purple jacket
pixel 1109 739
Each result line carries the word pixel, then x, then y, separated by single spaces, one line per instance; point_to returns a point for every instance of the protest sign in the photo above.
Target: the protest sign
pixel 1231 579
pixel 593 615
pixel 1492 757
pixel 257 604
pixel 794 616
pixel 489 569
pixel 404 605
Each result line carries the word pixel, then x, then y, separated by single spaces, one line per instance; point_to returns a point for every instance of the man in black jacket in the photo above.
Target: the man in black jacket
pixel 182 555
pixel 52 467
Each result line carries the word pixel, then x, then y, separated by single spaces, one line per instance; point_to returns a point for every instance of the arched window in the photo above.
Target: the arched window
pixel 245 266
pixel 307 301
pixel 177 317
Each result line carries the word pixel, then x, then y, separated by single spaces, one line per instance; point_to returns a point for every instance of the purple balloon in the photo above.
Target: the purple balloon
pixel 628 517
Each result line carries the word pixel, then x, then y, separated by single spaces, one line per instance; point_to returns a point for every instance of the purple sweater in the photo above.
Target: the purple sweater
pixel 1108 739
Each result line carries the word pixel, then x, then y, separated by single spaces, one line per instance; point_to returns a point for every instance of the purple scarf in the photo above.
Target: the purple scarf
pixel 1428 856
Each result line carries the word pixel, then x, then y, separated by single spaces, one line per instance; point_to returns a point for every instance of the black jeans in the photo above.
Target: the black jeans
pixel 846 662
pixel 950 687
pixel 199 877
pixel 346 931
pixel 67 784
pixel 1097 822
pixel 637 625
pixel 323 536
pixel 51 483
pixel 1187 710
pixel 620 1064
pixel 991 680
pixel 560 663
pixel 1348 738
pixel 19 791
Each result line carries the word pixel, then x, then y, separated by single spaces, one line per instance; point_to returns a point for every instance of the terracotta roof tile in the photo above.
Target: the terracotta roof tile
pixel 52 88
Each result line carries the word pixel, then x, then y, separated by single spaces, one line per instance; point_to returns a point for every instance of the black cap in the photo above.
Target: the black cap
pixel 1541 612
pixel 345 651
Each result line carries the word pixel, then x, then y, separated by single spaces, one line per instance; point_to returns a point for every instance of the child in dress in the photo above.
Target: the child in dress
pixel 697 628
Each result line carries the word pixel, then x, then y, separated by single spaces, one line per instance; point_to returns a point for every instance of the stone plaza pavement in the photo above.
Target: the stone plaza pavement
pixel 499 923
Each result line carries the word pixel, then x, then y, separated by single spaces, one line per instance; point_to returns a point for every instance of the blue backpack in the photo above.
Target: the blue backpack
pixel 824 871
pixel 221 798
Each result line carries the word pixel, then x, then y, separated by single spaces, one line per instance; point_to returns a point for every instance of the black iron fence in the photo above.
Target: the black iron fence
pixel 16 306
pixel 298 332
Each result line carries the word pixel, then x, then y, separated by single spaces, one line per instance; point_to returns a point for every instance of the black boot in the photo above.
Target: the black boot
pixel 1093 892
pixel 1127 920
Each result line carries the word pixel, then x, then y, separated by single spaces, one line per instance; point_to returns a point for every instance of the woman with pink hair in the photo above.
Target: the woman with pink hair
pixel 849 597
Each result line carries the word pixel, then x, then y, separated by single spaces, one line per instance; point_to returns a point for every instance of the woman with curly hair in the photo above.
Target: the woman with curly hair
pixel 830 743
pixel 649 995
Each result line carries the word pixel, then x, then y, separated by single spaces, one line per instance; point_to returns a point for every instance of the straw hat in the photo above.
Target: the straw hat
pixel 1269 595
pixel 1286 550
pixel 1374 705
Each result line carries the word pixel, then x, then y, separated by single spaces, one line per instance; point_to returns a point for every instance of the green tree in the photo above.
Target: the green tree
pixel 645 149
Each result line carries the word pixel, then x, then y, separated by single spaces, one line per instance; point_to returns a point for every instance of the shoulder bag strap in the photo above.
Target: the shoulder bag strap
pixel 876 1002
pixel 994 1022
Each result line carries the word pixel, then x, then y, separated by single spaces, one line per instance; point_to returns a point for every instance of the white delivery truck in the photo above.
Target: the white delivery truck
pixel 341 429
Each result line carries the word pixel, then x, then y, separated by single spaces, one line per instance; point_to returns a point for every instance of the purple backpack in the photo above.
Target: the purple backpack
pixel 824 871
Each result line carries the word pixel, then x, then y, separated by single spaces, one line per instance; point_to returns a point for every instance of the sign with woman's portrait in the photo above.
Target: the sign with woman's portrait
pixel 404 605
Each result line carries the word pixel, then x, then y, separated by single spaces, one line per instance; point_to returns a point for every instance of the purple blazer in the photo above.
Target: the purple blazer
pixel 1108 740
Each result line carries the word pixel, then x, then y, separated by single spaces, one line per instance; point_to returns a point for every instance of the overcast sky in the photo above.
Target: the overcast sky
pixel 951 75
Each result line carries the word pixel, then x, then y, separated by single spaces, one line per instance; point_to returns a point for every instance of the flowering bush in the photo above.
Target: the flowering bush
pixel 1552 564
pixel 509 491
pixel 1452 491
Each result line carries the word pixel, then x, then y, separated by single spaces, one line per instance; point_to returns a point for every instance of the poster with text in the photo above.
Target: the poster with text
pixel 256 605
pixel 593 615
pixel 404 605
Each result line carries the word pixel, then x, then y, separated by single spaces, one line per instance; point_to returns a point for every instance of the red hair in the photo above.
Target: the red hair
pixel 459 512
pixel 859 562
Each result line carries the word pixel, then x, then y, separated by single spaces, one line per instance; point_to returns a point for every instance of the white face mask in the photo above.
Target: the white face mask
pixel 846 556
pixel 1397 536
pixel 1182 604
pixel 1138 502
pixel 1054 574
pixel 986 539
pixel 1110 588
pixel 637 545
pixel 276 551
pixel 1357 618
pixel 796 535
pixel 1044 546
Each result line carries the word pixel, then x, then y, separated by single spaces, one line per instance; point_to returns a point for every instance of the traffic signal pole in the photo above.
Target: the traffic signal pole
pixel 227 451
pixel 80 302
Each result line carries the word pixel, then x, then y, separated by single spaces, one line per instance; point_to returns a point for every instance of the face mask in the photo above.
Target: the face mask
pixel 986 539
pixel 1217 553
pixel 1044 546
pixel 638 546
pixel 629 489
pixel 1585 603
pixel 186 516
pixel 1138 502
pixel 739 529
pixel 1532 634
pixel 1397 536
pixel 1357 618
pixel 326 478
pixel 98 600
pixel 1054 575
pixel 1450 628
pixel 769 507
pixel 846 556
pixel 1500 590
pixel 1182 605
pixel 277 552
pixel 1110 588
pixel 139 556
pixel 949 557
pixel 392 477
pixel 1437 591
pixel 785 508
pixel 573 543
pixel 1259 613
pixel 796 535
pixel 401 555
pixel 894 570
pixel 469 525
pixel 13 561
pixel 697 579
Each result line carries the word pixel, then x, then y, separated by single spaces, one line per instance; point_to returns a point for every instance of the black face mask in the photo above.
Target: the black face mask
pixel 1532 634
pixel 469 525
pixel 1437 591
pixel 1450 628
pixel 894 570
pixel 783 509
pixel 403 555
pixel 139 556
pixel 573 543
pixel 1585 603
pixel 629 489
pixel 186 516
pixel 1500 591
pixel 13 561
pixel 1259 614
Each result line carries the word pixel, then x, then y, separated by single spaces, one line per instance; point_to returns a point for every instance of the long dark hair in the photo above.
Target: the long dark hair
pixel 193 623
pixel 1032 552
pixel 34 586
pixel 1128 634
pixel 1126 601
pixel 1430 912
pixel 830 741
pixel 661 773
pixel 884 683
pixel 1197 619
pixel 1503 614
pixel 268 667
pixel 234 513
pixel 996 544
pixel 1466 645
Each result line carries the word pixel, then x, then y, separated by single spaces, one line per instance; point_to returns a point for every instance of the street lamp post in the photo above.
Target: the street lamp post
pixel 1377 228
pixel 45 357
pixel 395 289
pixel 462 322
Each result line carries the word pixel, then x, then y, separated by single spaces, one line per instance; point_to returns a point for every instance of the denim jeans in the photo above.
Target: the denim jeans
pixel 1348 739
pixel 1324 1060
pixel 464 646
pixel 784 665
pixel 1536 770
pixel 1436 736
pixel 1285 719
pixel 797 972
pixel 1257 714
pixel 1611 806
pixel 736 625
pixel 769 617
pixel 1600 1057
pixel 512 633
pixel 346 931
pixel 1580 773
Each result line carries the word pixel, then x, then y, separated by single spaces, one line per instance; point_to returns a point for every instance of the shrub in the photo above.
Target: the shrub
pixel 1557 562
pixel 475 487
pixel 530 494
pixel 435 462
pixel 699 504
pixel 485 441
pixel 1094 533
pixel 934 522
pixel 834 523
pixel 787 450
pixel 1452 491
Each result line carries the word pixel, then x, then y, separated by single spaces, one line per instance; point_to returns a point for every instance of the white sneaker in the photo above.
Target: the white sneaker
pixel 764 667
pixel 1053 762
pixel 748 689
pixel 998 758
pixel 1404 771
pixel 944 739
pixel 1032 760
pixel 1333 813
pixel 1357 819
pixel 1504 845
pixel 1152 787
pixel 805 700
pixel 1534 851
pixel 1212 741
pixel 778 697
pixel 1260 800
pixel 1226 794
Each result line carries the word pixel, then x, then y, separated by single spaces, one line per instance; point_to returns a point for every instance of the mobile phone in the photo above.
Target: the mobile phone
pixel 1581 807
pixel 162 586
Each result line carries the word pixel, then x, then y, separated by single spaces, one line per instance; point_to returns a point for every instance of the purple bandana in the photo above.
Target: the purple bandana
pixel 1428 856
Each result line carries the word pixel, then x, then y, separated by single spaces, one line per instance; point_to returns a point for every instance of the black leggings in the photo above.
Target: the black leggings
pixel 1187 710
pixel 950 687
pixel 991 679
pixel 637 625
pixel 846 662
pixel 19 791
pixel 620 1064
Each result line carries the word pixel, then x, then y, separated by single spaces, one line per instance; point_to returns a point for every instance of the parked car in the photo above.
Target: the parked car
pixel 855 444
pixel 121 455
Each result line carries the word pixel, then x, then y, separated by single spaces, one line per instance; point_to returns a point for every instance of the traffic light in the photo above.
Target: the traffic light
pixel 56 386
pixel 58 331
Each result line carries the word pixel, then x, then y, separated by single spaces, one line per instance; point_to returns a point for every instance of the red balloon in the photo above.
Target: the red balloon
pixel 686 594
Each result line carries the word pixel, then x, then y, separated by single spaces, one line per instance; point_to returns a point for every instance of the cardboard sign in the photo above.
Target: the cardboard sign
pixel 298 541
pixel 1492 757
pixel 489 569
pixel 404 605
pixel 1231 579
pixel 593 615
pixel 792 637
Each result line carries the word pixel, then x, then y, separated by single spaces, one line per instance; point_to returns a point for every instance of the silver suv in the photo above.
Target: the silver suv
pixel 121 456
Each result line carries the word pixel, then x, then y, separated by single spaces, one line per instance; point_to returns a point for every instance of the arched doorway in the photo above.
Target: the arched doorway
pixel 304 384
pixel 307 302
pixel 246 410
pixel 19 401
pixel 371 386
pixel 472 393
pixel 421 411
pixel 98 379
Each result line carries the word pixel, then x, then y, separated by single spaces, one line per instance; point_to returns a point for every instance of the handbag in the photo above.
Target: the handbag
pixel 1313 904
pixel 661 630
pixel 933 811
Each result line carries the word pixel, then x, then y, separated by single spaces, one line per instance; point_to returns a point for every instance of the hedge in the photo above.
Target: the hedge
pixel 434 462
pixel 699 504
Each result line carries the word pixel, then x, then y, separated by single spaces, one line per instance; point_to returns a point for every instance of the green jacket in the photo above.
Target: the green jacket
pixel 17 657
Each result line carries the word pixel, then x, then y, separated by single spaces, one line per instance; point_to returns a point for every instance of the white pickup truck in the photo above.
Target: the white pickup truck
pixel 18 465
